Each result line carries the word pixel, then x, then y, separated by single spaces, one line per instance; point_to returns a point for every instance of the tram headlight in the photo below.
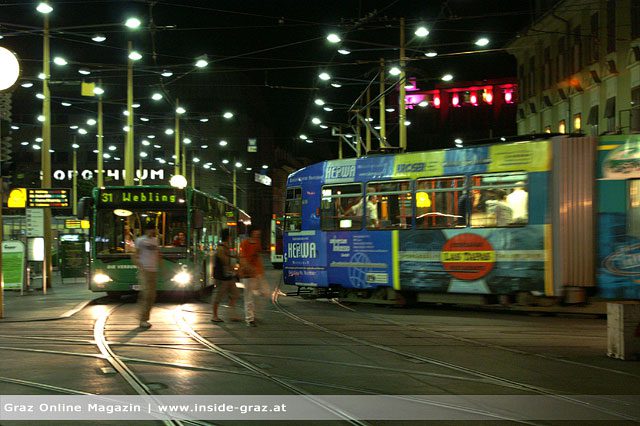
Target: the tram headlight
pixel 182 278
pixel 101 278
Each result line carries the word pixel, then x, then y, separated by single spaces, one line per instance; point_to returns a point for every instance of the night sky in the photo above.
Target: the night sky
pixel 264 59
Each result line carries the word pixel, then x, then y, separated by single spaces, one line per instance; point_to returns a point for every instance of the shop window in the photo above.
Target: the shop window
pixel 577 122
pixel 562 126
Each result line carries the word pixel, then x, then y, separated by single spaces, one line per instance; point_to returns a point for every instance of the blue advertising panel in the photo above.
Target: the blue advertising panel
pixel 305 258
pixel 489 261
pixel 470 160
pixel 360 259
pixel 374 168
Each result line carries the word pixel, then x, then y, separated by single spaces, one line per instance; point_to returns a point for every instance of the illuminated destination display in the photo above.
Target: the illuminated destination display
pixel 47 197
pixel 146 196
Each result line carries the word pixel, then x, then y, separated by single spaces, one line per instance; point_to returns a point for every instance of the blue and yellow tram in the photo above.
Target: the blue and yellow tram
pixel 492 219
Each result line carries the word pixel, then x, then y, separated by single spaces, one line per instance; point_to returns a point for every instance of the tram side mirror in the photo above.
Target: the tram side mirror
pixel 84 207
pixel 197 218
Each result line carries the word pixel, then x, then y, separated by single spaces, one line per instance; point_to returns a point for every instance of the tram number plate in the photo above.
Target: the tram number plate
pixel 135 287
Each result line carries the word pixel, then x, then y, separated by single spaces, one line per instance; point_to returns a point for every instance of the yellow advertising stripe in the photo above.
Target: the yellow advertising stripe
pixel 395 258
pixel 608 147
pixel 530 157
pixel 468 256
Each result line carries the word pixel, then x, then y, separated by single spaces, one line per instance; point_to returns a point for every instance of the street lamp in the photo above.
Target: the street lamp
pixel 133 55
pixel 99 92
pixel 9 74
pixel 46 9
pixel 74 191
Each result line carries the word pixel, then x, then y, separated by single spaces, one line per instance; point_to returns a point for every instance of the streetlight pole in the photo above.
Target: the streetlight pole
pixel 128 150
pixel 100 181
pixel 402 114
pixel 45 151
pixel 368 116
pixel 382 106
pixel 235 181
pixel 176 133
pixel 75 178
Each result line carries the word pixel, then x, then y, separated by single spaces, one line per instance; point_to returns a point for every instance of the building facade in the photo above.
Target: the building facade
pixel 579 69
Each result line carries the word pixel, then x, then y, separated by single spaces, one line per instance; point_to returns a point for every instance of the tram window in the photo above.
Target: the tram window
pixel 341 207
pixel 389 205
pixel 293 209
pixel 441 203
pixel 499 199
pixel 633 215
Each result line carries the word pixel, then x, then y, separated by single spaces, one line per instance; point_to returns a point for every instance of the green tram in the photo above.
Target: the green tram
pixel 188 224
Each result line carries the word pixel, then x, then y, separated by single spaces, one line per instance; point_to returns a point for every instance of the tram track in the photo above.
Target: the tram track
pixel 118 363
pixel 189 330
pixel 509 383
pixel 480 343
pixel 287 381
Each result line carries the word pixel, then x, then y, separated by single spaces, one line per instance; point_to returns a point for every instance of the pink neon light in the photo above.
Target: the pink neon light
pixel 474 99
pixel 413 99
pixel 455 100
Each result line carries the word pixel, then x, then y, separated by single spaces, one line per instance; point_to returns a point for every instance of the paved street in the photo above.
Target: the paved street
pixel 303 346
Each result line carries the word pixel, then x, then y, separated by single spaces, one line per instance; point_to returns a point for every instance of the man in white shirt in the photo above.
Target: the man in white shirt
pixel 518 201
pixel 147 259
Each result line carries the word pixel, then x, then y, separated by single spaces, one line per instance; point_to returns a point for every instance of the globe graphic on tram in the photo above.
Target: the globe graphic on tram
pixel 358 275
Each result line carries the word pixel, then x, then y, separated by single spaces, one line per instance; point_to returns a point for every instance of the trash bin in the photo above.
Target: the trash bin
pixel 623 330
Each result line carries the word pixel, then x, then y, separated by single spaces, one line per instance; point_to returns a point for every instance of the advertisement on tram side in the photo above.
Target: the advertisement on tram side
pixel 618 270
pixel 487 261
pixel 305 255
pixel 360 259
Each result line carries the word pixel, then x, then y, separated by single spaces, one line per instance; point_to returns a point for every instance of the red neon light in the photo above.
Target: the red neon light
pixel 436 101
pixel 488 97
pixel 455 100
pixel 474 99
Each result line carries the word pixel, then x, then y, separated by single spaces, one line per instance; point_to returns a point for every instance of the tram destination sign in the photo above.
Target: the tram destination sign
pixel 140 197
pixel 48 197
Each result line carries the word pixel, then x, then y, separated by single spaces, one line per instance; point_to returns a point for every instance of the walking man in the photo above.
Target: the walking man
pixel 223 274
pixel 147 259
pixel 252 274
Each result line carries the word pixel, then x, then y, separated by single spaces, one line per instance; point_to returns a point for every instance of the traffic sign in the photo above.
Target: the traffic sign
pixel 47 197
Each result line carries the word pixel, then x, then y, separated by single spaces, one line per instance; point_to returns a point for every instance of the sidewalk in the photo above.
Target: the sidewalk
pixel 61 301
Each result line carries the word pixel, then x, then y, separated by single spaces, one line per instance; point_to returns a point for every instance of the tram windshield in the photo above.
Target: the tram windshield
pixel 117 230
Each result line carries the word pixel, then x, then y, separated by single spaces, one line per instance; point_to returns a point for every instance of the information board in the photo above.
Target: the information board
pixel 13 264
pixel 48 197
pixel 76 224
pixel 35 222
pixel 73 256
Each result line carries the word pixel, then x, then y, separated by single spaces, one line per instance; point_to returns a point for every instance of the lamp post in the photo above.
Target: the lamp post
pixel 402 113
pixel 9 73
pixel 100 137
pixel 176 141
pixel 45 9
pixel 128 148
pixel 74 192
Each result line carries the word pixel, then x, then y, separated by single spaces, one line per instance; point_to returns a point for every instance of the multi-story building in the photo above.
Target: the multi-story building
pixel 579 69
